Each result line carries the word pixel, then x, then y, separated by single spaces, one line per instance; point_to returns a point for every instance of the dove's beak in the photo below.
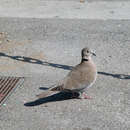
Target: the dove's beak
pixel 93 53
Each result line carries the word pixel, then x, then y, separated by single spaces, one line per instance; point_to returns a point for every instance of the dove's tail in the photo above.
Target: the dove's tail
pixel 50 91
pixel 56 88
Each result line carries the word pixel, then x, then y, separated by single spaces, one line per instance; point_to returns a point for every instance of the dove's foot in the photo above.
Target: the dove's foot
pixel 84 96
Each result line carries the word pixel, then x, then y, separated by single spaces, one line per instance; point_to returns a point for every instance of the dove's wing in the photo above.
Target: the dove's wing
pixel 82 76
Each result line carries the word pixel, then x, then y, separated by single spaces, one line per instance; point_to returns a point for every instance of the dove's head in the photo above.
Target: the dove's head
pixel 86 53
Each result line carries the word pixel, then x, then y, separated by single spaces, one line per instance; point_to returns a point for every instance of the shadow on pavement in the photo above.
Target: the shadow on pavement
pixel 61 96
pixel 36 61
pixel 43 88
pixel 118 76
pixel 60 66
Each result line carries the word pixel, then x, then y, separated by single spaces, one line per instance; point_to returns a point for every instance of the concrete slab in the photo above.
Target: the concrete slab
pixel 66 9
pixel 108 110
pixel 35 45
pixel 43 50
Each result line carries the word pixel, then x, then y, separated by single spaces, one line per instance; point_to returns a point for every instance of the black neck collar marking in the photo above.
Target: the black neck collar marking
pixel 84 59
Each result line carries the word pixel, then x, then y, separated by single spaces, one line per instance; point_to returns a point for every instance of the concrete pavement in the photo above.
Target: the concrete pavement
pixel 44 50
pixel 66 9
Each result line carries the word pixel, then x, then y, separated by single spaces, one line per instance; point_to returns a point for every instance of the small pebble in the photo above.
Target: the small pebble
pixel 45 105
pixel 79 109
pixel 82 1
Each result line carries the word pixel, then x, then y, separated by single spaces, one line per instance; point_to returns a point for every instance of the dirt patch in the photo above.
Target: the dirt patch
pixel 3 38
pixel 12 63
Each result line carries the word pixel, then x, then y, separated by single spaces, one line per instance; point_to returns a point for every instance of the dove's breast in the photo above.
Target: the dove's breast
pixel 82 76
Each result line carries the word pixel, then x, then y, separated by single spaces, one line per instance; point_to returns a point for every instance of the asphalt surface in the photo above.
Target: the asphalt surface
pixel 44 51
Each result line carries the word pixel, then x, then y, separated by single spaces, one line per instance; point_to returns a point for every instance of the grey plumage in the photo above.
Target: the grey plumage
pixel 79 78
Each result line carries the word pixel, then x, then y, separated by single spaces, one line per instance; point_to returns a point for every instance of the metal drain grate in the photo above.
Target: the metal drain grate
pixel 7 85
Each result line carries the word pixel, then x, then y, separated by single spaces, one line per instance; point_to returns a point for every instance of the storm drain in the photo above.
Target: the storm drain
pixel 7 85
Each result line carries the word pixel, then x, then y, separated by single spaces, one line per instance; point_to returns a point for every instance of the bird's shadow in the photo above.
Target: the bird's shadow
pixel 61 96
pixel 66 96
pixel 43 88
